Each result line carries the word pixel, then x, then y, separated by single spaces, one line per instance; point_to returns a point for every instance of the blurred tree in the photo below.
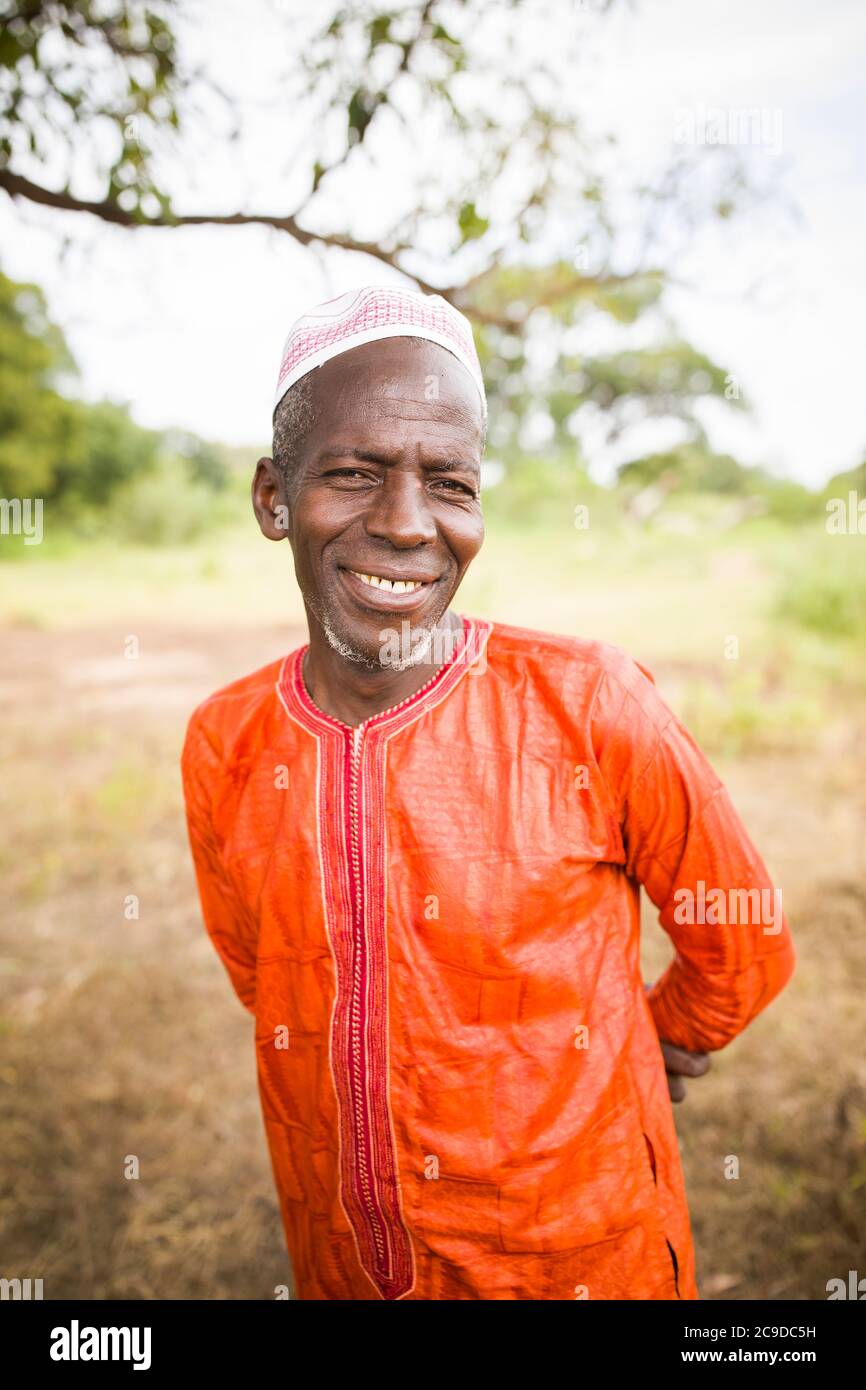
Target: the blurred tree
pixel 464 124
pixel 103 449
pixel 694 467
pixel 473 101
pixel 540 379
pixel 70 451
pixel 852 480
pixel 691 467
pixel 88 85
pixel 206 463
pixel 35 421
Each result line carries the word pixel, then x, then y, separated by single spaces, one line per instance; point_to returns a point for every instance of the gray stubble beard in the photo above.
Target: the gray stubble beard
pixel 345 649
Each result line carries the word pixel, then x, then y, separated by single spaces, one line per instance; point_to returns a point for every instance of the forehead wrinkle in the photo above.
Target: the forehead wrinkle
pixel 389 425
pixel 397 404
pixel 431 419
pixel 382 376
pixel 405 415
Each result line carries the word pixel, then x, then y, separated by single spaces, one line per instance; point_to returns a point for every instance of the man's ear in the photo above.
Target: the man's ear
pixel 270 502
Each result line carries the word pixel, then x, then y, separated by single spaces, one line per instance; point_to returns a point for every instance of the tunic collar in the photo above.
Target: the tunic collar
pixel 465 653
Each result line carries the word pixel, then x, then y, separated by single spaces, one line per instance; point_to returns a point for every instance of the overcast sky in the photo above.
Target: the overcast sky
pixel 187 324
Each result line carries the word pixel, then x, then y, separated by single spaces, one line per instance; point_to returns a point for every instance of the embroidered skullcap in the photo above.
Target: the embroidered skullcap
pixel 365 315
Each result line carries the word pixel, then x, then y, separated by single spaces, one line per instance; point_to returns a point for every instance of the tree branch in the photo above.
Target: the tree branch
pixel 18 187
pixel 458 295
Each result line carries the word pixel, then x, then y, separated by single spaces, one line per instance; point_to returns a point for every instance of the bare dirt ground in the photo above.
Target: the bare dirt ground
pixel 121 1037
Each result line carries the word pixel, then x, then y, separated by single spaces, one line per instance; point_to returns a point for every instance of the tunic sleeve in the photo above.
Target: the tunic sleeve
pixel 686 845
pixel 227 921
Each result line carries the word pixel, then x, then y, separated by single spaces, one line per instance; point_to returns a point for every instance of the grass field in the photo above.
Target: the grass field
pixel 121 1037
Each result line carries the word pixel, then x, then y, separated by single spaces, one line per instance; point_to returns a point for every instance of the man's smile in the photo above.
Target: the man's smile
pixel 396 593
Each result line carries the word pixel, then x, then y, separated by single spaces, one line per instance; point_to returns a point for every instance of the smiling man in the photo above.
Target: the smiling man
pixel 420 842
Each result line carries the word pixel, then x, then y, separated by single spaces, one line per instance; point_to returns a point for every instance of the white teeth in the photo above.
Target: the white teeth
pixel 397 586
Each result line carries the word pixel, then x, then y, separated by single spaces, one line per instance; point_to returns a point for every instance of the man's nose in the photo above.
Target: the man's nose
pixel 400 511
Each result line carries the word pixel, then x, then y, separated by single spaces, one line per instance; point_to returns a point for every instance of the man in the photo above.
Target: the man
pixel 420 842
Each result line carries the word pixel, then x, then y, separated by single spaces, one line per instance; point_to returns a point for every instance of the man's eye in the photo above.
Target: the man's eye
pixel 453 485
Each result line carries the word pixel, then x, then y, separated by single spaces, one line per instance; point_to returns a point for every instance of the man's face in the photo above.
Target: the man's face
pixel 387 489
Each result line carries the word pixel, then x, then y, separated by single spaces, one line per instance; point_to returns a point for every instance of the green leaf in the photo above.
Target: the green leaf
pixel 440 32
pixel 380 30
pixel 360 112
pixel 470 223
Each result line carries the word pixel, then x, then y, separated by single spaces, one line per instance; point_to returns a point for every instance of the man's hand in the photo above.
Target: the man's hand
pixel 679 1063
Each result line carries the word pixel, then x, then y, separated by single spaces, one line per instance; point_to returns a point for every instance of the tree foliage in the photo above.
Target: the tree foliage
pixel 484 124
pixel 35 420
pixel 502 178
pixel 69 451
pixel 90 87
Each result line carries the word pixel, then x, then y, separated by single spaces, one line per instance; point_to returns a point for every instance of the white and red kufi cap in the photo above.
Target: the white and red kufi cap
pixel 365 315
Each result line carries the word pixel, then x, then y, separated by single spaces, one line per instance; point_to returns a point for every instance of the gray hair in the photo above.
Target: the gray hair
pixel 294 419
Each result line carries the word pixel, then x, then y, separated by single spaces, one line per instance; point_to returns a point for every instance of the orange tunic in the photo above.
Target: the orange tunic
pixel 434 919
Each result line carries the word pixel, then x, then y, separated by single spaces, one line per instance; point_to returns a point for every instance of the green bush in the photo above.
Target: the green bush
pixel 743 718
pixel 164 506
pixel 539 491
pixel 826 592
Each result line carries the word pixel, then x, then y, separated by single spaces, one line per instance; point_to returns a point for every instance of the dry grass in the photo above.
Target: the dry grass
pixel 120 1037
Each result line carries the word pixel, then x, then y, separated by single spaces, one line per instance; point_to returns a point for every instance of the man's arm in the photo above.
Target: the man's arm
pixel 687 846
pixel 227 922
